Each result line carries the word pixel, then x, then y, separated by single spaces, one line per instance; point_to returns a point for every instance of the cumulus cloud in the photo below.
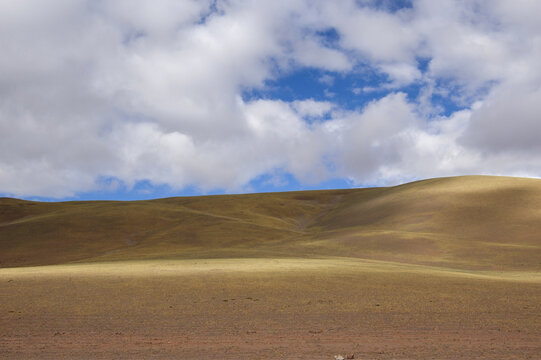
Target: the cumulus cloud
pixel 374 137
pixel 141 90
pixel 507 121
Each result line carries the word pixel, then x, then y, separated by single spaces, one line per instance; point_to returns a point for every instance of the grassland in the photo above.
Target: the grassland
pixel 445 268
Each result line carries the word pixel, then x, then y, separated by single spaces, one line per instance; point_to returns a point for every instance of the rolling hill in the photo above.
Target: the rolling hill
pixel 445 268
pixel 471 222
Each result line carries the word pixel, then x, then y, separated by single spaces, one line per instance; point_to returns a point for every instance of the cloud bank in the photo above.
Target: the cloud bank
pixel 157 91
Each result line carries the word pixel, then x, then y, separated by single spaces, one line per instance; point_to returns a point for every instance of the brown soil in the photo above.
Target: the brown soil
pixel 301 314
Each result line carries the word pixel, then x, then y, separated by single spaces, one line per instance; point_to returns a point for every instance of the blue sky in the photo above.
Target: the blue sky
pixel 212 97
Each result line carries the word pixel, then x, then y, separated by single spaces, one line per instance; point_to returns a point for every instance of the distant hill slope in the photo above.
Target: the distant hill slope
pixel 461 222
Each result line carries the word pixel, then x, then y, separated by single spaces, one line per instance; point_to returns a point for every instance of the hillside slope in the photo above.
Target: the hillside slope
pixel 470 221
pixel 461 222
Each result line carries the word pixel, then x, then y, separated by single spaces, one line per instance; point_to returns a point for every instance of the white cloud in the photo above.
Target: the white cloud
pixel 401 73
pixel 153 90
pixel 310 53
pixel 326 79
pixel 312 108
pixel 373 138
pixel 375 34
pixel 508 120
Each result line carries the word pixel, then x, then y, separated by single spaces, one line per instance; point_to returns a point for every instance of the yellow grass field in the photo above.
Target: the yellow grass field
pixel 445 268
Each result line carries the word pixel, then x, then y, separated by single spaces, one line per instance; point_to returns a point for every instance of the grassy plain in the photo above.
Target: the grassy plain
pixel 446 268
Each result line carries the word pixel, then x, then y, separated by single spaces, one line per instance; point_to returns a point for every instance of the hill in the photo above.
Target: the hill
pixel 471 222
pixel 444 268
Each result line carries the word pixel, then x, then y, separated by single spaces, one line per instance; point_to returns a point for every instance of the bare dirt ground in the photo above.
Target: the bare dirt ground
pixel 267 309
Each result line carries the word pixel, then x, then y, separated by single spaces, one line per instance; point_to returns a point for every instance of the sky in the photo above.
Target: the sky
pixel 137 99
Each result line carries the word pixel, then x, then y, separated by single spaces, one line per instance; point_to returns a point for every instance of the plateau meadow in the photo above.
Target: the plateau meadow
pixel 445 268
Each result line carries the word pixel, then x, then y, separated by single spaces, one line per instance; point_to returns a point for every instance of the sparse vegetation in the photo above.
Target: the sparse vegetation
pixel 445 268
pixel 466 222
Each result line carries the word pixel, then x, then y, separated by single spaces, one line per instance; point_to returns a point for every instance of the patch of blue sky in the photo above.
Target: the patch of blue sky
pixel 109 188
pixel 329 37
pixel 449 96
pixel 347 90
pixel 279 181
pixel 213 10
pixel 351 91
pixel 423 63
pixel 114 189
pixel 387 5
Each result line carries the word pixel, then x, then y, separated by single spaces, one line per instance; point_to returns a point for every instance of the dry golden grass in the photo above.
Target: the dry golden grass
pixel 216 226
pixel 446 268
pixel 474 222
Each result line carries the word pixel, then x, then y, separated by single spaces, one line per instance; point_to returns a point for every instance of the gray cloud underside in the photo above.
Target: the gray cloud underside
pixel 152 90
